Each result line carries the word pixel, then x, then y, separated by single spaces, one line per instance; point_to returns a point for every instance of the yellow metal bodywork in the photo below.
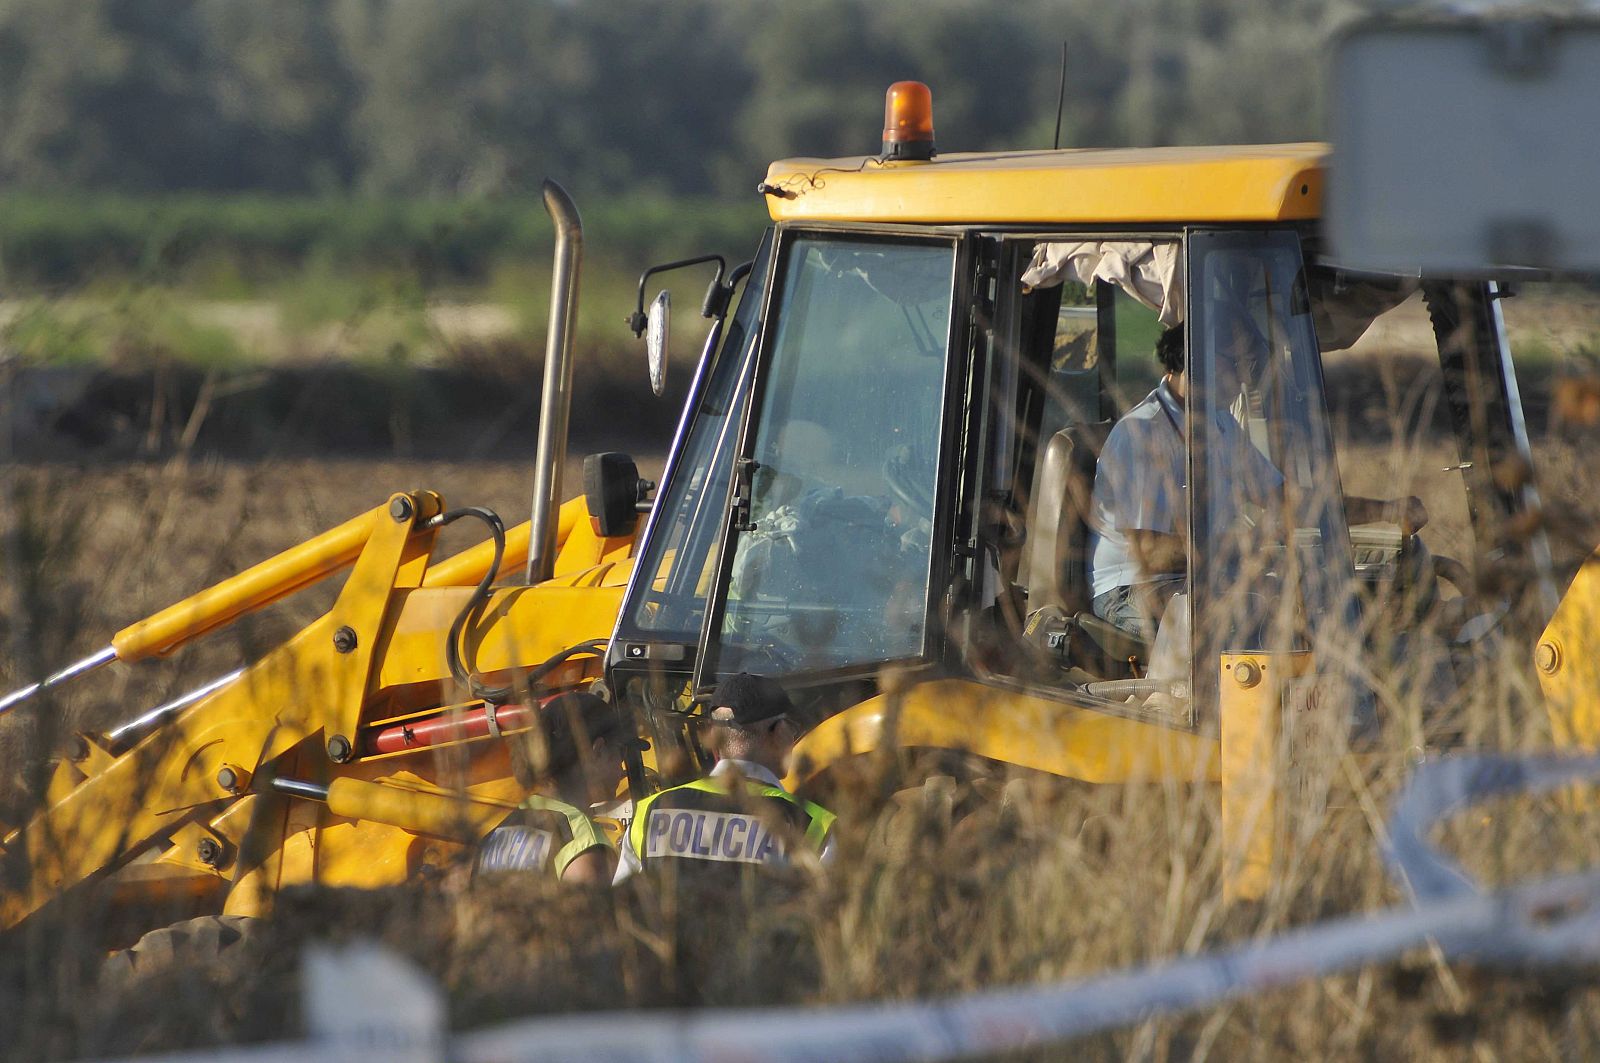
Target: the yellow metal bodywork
pixel 1135 186
pixel 581 550
pixel 1567 661
pixel 335 549
pixel 1248 757
pixel 419 808
pixel 1011 727
pixel 1254 764
pixel 387 815
pixel 255 587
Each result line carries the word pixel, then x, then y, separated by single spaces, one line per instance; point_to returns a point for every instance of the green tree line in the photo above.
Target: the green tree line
pixel 56 242
pixel 483 98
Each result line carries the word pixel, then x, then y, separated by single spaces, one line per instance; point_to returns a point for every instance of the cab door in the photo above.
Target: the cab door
pixel 1270 559
pixel 830 548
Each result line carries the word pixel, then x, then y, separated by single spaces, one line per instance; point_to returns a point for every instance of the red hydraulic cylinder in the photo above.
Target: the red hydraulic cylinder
pixel 451 727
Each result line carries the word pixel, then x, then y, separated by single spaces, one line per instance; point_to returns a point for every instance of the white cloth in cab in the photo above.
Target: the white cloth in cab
pixel 1149 270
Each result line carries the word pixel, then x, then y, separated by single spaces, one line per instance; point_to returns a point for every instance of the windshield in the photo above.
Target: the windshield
pixel 669 589
pixel 832 563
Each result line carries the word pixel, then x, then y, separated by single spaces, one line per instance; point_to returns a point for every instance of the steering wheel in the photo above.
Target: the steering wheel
pixel 1418 572
pixel 909 480
pixel 1454 573
pixel 770 657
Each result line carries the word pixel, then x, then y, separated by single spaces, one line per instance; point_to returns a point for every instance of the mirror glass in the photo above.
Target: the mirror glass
pixel 655 340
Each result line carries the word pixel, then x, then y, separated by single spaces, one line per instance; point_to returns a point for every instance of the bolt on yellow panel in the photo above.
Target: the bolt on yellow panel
pixel 1567 661
pixel 1255 762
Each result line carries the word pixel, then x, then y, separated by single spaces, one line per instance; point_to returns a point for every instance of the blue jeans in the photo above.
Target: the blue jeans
pixel 1124 606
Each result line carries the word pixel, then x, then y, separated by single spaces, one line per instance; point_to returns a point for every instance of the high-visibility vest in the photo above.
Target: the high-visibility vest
pixel 704 823
pixel 542 835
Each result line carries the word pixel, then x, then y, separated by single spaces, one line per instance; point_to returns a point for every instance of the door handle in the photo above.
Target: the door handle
pixel 744 474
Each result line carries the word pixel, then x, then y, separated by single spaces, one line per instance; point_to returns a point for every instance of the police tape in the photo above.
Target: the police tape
pixel 1447 786
pixel 983 1023
pixel 1546 922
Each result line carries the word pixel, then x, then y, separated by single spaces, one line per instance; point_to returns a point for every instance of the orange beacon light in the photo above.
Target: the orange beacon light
pixel 908 122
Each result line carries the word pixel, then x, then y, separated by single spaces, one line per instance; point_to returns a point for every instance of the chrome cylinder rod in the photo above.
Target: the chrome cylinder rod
pixel 88 664
pixel 299 788
pixel 555 404
pixel 133 730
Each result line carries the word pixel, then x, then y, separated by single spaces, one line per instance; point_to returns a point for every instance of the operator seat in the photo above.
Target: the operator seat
pixel 1054 566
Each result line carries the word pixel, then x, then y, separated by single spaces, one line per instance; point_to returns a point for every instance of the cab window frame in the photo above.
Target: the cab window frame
pixel 708 658
pixel 1341 607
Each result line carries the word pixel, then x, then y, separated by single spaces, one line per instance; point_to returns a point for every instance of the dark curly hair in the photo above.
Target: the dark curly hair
pixel 1170 350
pixel 568 724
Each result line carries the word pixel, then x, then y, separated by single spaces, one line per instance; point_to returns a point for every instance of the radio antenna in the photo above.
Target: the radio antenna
pixel 1061 94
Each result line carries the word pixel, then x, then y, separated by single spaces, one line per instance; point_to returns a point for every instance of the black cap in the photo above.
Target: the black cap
pixel 745 699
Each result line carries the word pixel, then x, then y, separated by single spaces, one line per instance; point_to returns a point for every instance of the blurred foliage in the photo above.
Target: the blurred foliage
pixel 483 98
pixel 220 146
pixel 238 241
pixel 353 162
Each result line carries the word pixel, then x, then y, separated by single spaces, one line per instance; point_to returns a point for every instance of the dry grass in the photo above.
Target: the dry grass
pixel 969 882
pixel 937 893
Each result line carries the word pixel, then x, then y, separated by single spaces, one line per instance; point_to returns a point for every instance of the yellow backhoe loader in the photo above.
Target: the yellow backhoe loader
pixel 879 491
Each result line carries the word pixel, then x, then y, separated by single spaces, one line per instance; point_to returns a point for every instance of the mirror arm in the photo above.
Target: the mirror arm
pixel 719 295
pixel 637 320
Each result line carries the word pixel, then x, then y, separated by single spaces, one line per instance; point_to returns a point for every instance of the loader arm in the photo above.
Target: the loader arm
pixel 193 803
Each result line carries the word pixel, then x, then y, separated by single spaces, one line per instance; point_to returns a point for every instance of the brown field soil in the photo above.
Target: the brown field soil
pixel 939 892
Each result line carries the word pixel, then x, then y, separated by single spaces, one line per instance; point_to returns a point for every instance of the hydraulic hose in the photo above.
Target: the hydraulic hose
pixel 460 668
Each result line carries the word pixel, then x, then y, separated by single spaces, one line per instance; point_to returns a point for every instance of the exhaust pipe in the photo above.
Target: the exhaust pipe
pixel 556 402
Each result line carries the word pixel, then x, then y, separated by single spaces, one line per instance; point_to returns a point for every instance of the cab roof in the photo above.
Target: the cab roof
pixel 1088 186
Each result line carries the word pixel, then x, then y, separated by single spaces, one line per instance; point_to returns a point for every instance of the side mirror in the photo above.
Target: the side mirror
pixel 614 492
pixel 716 305
pixel 657 328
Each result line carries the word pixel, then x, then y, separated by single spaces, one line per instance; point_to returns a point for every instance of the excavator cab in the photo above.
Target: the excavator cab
pixel 1238 464
pixel 890 466
pixel 895 466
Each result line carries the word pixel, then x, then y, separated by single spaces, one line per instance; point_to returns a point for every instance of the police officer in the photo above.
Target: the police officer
pixel 739 815
pixel 579 766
